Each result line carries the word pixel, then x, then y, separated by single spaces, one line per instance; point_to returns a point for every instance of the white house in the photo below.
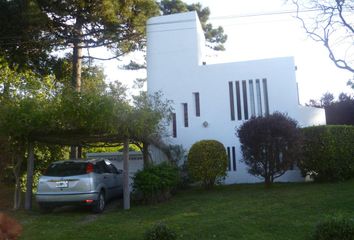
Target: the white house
pixel 211 100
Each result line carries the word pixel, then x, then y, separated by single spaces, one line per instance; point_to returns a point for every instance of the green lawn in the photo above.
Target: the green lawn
pixel 287 211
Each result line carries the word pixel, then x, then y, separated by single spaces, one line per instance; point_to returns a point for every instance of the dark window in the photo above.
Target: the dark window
pixel 67 168
pixel 174 125
pixel 228 158
pixel 112 168
pixel 232 105
pixel 245 102
pixel 265 91
pixel 238 97
pixel 253 106
pixel 197 104
pixel 185 114
pixel 259 99
pixel 234 158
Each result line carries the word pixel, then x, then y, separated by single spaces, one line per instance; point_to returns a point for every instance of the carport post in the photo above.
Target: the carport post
pixel 30 167
pixel 126 190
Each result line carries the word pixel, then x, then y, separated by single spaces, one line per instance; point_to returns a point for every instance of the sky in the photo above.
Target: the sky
pixel 269 36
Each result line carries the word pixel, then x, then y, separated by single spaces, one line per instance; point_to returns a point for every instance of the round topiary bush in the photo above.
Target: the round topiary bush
pixel 207 162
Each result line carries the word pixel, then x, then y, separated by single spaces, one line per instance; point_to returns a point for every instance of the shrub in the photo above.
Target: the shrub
pixel 270 145
pixel 207 161
pixel 160 231
pixel 328 153
pixel 335 228
pixel 155 183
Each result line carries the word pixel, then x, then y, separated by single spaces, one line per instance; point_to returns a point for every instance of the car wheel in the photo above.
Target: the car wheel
pixel 100 203
pixel 44 208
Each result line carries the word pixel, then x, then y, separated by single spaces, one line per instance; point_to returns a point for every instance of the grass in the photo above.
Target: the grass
pixel 286 211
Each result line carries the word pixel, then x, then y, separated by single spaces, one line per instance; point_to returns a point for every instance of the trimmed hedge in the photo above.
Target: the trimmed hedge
pixel 207 162
pixel 328 152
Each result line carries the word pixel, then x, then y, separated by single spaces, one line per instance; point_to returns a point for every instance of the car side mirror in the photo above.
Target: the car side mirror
pixel 119 171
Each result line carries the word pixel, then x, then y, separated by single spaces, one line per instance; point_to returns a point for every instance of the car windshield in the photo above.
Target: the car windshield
pixel 68 168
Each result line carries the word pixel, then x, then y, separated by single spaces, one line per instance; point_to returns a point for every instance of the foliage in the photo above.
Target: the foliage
pixel 160 231
pixel 328 153
pixel 331 24
pixel 215 37
pixel 22 41
pixel 31 110
pixel 155 183
pixel 207 162
pixel 339 111
pixel 334 228
pixel 44 155
pixel 177 154
pixel 270 145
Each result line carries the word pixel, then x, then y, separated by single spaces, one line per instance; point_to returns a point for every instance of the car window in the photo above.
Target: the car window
pixel 101 165
pixel 68 168
pixel 112 168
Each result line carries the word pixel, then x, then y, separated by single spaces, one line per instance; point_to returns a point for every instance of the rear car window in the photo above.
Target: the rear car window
pixel 66 169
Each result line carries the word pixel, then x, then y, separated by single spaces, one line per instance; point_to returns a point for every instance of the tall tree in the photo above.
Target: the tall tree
pixel 330 23
pixel 117 25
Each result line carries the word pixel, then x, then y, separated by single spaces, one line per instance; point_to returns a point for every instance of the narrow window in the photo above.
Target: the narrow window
pixel 232 106
pixel 265 91
pixel 245 102
pixel 185 114
pixel 174 125
pixel 228 158
pixel 234 158
pixel 259 99
pixel 253 107
pixel 238 97
pixel 197 104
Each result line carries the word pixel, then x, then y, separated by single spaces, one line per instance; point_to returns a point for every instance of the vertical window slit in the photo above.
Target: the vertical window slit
pixel 238 97
pixel 228 158
pixel 197 104
pixel 253 107
pixel 259 99
pixel 232 105
pixel 174 125
pixel 234 158
pixel 265 91
pixel 245 102
pixel 185 114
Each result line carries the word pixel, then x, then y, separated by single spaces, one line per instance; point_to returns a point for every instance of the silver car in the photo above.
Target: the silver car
pixel 87 182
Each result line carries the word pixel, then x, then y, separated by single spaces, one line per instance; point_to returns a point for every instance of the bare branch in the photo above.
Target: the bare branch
pixel 328 27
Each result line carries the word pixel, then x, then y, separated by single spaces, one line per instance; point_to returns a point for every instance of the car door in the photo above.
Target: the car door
pixel 115 179
pixel 103 176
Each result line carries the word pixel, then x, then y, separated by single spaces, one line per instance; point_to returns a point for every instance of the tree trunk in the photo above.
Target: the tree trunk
pixel 79 152
pixel 267 181
pixel 73 152
pixel 76 70
pixel 126 191
pixel 17 159
pixel 77 64
pixel 29 183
